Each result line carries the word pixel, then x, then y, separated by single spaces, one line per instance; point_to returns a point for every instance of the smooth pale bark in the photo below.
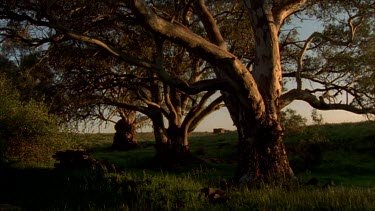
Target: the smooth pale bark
pixel 262 152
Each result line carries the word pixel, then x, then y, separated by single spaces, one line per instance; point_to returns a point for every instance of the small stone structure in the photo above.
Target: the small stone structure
pixel 219 130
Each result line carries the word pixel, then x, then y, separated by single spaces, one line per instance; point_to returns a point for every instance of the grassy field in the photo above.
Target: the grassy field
pixel 340 159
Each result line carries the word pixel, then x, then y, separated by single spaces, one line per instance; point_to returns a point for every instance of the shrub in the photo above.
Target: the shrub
pixel 28 134
pixel 292 122
pixel 316 118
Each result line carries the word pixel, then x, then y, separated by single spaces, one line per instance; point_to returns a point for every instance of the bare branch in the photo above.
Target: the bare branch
pixel 306 96
pixel 237 77
pixel 168 102
pixel 283 9
pixel 110 101
pixel 209 23
pixel 114 51
pixel 213 106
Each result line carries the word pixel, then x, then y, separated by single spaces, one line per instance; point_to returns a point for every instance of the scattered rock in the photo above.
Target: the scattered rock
pixel 214 195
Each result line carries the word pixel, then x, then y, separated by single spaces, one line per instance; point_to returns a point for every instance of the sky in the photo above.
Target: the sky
pixel 221 119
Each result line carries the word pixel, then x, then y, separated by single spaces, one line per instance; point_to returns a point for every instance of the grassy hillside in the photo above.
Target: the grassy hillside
pixel 344 153
pixel 339 158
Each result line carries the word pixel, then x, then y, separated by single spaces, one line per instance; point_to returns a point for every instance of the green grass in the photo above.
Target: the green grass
pixel 348 153
pixel 38 189
pixel 347 159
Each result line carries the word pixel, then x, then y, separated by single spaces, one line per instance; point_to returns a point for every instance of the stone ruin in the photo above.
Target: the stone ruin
pixel 219 131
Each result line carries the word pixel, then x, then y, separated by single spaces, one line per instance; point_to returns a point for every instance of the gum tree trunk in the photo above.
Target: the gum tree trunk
pixel 262 154
pixel 172 146
pixel 261 150
pixel 179 144
pixel 160 133
pixel 124 138
pixel 252 97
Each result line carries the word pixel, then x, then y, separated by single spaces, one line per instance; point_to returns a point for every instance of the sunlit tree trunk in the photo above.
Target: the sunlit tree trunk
pixel 262 155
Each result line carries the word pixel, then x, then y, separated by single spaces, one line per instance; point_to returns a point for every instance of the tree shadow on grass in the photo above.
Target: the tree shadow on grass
pixel 42 188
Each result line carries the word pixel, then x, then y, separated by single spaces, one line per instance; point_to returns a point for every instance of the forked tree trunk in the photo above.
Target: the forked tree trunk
pixel 166 151
pixel 255 107
pixel 261 150
pixel 160 133
pixel 175 150
pixel 179 143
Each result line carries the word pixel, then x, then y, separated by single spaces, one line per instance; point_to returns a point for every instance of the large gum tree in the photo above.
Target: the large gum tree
pixel 250 79
pixel 98 86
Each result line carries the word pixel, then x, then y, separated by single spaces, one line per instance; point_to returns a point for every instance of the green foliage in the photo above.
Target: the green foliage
pixel 291 121
pixel 28 134
pixel 316 118
pixel 31 76
pixel 166 192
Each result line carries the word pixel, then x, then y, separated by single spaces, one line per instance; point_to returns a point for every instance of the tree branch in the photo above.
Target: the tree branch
pixel 209 23
pixel 109 101
pixel 306 96
pixel 213 106
pixel 239 79
pixel 168 102
pixel 282 9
